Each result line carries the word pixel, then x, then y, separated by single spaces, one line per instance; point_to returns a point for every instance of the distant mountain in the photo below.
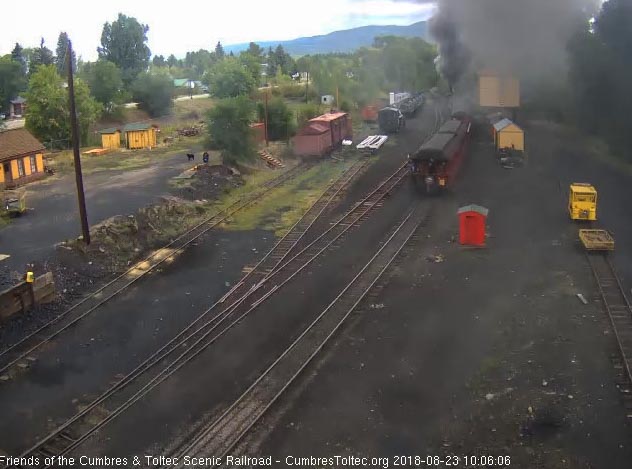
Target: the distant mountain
pixel 347 40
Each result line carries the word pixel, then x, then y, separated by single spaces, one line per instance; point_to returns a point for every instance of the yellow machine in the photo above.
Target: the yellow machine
pixel 582 202
pixel 14 202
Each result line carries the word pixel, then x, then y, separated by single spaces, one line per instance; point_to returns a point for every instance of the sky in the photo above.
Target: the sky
pixel 177 27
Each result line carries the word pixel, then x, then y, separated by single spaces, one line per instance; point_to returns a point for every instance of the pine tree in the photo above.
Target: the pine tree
pixel 62 47
pixel 17 54
pixel 219 51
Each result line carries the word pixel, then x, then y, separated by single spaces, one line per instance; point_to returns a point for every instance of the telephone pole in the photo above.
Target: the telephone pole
pixel 83 214
pixel 265 117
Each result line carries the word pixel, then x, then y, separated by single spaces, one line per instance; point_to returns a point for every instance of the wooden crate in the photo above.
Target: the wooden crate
pixel 596 240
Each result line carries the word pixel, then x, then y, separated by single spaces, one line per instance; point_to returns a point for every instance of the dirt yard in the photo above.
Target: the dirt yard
pixel 488 352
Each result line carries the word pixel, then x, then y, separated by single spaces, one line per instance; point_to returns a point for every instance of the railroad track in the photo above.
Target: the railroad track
pixel 17 354
pixel 157 367
pixel 619 312
pixel 220 436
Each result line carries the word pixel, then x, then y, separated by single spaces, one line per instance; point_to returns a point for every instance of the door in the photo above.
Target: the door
pixel 6 167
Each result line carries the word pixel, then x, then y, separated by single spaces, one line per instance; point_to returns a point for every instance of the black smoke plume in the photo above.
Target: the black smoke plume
pixel 525 38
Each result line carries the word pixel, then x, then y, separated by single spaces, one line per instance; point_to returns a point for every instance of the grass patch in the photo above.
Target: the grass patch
pixel 285 205
pixel 63 162
pixel 193 108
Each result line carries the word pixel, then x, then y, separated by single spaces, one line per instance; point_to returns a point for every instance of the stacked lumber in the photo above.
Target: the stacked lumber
pixel 372 142
pixel 270 160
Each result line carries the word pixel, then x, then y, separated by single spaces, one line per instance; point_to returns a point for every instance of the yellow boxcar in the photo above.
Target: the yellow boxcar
pixel 582 202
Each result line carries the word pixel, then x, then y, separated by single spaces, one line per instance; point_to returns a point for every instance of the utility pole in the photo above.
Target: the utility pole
pixel 265 117
pixel 307 88
pixel 83 214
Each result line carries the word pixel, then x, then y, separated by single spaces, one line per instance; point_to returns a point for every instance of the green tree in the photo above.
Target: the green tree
pixel 172 61
pixel 48 114
pixel 306 112
pixel 41 55
pixel 219 51
pixel 229 129
pixel 123 42
pixel 280 119
pixel 199 62
pixel 12 80
pixel 62 47
pixel 105 83
pixel 252 64
pixel 229 78
pixel 17 54
pixel 154 93
pixel 600 76
pixel 255 50
pixel 159 61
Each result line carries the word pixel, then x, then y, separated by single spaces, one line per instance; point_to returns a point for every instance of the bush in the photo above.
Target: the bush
pixel 280 121
pixel 306 112
pixel 153 93
pixel 345 106
pixel 229 129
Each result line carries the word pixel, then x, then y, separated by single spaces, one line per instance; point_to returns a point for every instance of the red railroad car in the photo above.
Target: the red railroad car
pixel 436 163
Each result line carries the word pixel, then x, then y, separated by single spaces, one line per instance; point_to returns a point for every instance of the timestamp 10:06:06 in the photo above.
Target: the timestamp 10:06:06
pixel 454 461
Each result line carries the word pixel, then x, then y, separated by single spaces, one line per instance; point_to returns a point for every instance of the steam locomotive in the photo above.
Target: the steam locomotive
pixel 436 163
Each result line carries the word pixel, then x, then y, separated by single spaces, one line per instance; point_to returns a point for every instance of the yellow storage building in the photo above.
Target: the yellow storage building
pixel 21 158
pixel 508 135
pixel 140 136
pixel 110 139
pixel 496 90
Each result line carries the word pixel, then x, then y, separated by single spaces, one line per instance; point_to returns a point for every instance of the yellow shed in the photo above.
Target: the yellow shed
pixel 110 138
pixel 21 158
pixel 497 90
pixel 508 135
pixel 140 136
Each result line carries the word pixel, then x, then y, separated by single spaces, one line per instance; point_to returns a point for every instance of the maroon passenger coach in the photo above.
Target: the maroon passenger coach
pixel 436 163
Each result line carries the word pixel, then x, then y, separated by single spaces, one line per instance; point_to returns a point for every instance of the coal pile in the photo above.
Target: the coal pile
pixel 209 182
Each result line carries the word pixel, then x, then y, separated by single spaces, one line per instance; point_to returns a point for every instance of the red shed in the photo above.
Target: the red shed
pixel 312 140
pixel 259 131
pixel 472 223
pixel 339 124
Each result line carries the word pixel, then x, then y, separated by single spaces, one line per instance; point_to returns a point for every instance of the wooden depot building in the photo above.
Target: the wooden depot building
pixel 21 158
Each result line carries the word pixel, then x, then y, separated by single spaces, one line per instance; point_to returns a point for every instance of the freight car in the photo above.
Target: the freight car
pixel 436 163
pixel 390 120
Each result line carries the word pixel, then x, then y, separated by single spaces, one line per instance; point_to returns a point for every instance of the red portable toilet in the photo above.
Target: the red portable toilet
pixel 472 222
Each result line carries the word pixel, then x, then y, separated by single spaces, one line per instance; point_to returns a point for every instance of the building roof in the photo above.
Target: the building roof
pixel 179 82
pixel 137 126
pixel 330 116
pixel 474 208
pixel 18 142
pixel 502 124
pixel 18 100
pixel 111 130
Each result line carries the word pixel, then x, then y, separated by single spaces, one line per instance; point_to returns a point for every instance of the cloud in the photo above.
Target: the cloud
pixel 199 23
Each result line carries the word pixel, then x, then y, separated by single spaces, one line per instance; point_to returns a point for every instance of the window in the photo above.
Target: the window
pixel 21 167
pixel 33 164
